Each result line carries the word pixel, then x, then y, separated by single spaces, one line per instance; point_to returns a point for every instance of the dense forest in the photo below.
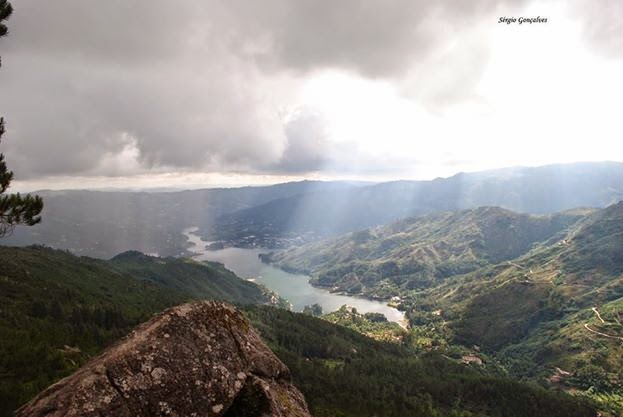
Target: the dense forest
pixel 58 310
pixel 343 373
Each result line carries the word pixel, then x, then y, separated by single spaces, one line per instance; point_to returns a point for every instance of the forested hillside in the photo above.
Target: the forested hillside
pixel 557 307
pixel 209 280
pixel 343 373
pixel 421 252
pixel 58 310
pixel 538 296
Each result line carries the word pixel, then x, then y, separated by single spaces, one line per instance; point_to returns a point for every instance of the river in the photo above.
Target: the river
pixel 293 287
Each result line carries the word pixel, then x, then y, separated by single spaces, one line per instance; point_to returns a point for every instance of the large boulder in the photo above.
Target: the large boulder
pixel 199 359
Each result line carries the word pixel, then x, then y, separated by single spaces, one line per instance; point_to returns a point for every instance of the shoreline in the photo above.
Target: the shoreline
pixel 330 301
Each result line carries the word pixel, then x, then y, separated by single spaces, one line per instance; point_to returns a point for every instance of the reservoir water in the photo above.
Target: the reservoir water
pixel 293 287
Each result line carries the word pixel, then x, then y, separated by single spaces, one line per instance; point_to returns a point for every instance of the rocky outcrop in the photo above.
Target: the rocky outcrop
pixel 199 359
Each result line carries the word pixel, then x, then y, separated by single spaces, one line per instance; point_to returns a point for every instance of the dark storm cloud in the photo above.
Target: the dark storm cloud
pixel 66 121
pixel 375 39
pixel 129 86
pixel 82 84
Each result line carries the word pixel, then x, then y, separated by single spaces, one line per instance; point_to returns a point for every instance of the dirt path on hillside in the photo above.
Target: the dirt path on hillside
pixel 598 315
pixel 594 309
pixel 602 334
pixel 515 265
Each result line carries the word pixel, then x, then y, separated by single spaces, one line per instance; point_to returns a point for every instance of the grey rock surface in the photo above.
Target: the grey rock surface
pixel 199 359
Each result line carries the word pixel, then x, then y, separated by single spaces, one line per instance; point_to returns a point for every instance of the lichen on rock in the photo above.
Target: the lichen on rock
pixel 198 359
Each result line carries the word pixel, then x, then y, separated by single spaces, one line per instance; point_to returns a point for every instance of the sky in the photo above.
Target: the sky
pixel 200 93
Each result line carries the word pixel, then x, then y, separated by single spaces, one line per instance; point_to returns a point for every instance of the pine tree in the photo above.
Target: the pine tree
pixel 14 208
pixel 5 11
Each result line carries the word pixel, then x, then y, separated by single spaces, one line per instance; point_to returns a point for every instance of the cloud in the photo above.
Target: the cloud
pixel 307 145
pixel 136 87
pixel 70 100
pixel 372 38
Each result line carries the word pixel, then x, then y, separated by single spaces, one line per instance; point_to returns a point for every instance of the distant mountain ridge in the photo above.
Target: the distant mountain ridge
pixel 102 224
pixel 540 190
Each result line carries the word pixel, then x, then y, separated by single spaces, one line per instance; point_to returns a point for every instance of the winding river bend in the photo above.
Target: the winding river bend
pixel 293 287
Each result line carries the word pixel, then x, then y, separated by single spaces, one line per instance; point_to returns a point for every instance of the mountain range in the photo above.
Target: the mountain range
pixel 103 224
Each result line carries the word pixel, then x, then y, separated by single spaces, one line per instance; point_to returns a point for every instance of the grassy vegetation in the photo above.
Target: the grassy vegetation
pixel 373 325
pixel 589 352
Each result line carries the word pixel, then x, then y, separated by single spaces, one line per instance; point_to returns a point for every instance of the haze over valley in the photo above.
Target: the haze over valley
pixel 103 224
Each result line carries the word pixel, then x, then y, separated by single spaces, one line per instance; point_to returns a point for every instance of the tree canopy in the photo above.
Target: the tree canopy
pixel 5 11
pixel 14 208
